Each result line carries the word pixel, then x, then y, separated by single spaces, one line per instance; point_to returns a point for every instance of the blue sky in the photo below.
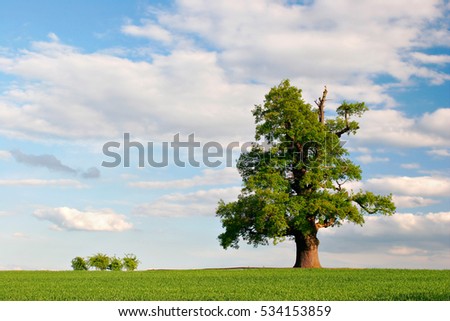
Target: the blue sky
pixel 76 75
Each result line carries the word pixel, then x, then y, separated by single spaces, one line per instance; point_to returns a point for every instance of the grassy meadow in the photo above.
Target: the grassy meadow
pixel 227 285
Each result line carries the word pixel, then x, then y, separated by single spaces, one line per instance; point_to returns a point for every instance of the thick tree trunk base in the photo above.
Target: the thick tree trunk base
pixel 307 251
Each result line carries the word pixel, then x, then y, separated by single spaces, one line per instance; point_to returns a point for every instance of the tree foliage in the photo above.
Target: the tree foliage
pixel 130 262
pixel 103 262
pixel 294 183
pixel 99 261
pixel 115 264
pixel 79 264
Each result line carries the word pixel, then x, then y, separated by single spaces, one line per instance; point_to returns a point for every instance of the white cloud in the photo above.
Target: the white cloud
pixel 401 240
pixel 129 176
pixel 383 258
pixel 224 176
pixel 42 182
pixel 367 159
pixel 53 37
pixel 4 154
pixel 363 150
pixel 408 192
pixel 437 123
pixel 412 186
pixel 394 128
pixel 19 235
pixel 412 201
pixel 199 203
pixel 148 30
pixel 410 165
pixel 223 58
pixel 286 39
pixel 66 218
pixel 439 152
pixel 404 250
pixel 431 59
pixel 401 226
pixel 185 91
pixel 354 185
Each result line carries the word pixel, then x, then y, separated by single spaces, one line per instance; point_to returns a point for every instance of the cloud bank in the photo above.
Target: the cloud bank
pixel 65 218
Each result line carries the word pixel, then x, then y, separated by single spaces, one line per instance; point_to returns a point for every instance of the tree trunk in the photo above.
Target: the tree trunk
pixel 307 251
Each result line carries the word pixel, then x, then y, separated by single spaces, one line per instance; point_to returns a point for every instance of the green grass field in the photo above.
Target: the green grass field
pixel 229 284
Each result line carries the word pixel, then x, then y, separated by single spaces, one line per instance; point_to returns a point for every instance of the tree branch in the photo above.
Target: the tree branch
pixel 346 128
pixel 365 208
pixel 321 105
pixel 326 224
pixel 339 188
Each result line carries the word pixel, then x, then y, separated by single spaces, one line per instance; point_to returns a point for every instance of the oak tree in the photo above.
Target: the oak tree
pixel 294 183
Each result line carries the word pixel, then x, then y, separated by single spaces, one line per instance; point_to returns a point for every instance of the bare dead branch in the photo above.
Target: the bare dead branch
pixel 321 105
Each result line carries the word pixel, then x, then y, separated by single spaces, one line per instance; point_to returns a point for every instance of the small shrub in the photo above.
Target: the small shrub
pixel 79 264
pixel 115 264
pixel 103 262
pixel 99 261
pixel 130 262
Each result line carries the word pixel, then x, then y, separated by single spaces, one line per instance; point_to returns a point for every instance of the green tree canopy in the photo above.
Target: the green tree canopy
pixel 79 264
pixel 99 261
pixel 294 184
pixel 115 264
pixel 130 262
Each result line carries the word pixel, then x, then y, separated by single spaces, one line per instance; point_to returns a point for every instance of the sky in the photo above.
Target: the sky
pixel 76 75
